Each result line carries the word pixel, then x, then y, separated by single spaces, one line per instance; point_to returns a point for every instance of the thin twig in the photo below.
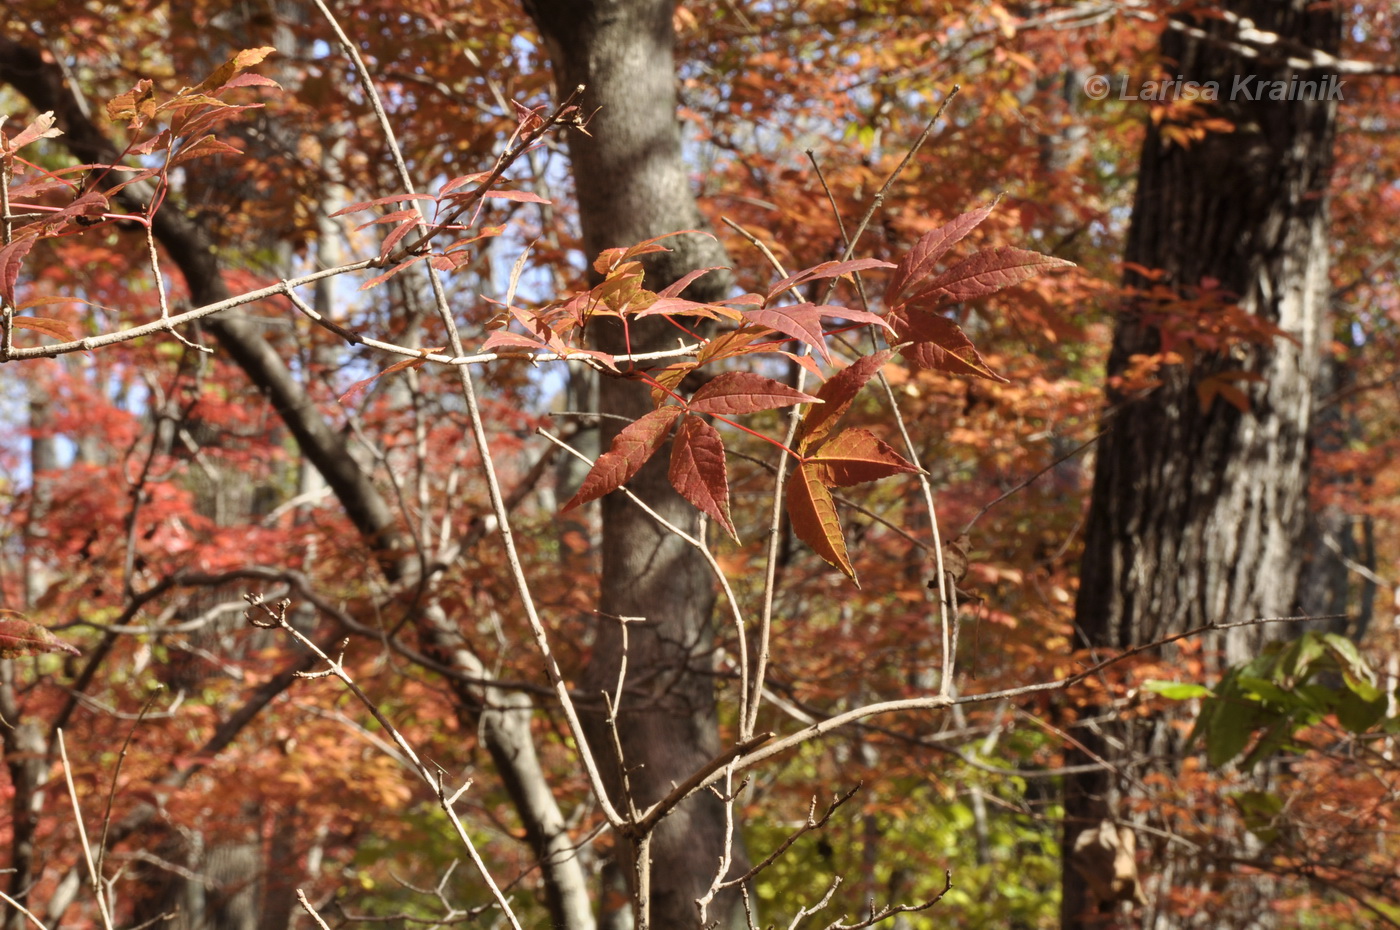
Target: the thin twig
pixel 773 747
pixel 116 772
pixel 751 691
pixel 93 874
pixel 1031 480
pixel 277 619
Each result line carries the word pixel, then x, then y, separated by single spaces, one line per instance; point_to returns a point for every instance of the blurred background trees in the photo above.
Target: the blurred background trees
pixel 1207 401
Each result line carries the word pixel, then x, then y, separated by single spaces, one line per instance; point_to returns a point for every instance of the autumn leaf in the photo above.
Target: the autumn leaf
pixel 359 386
pixel 939 344
pixel 731 344
pixel 677 306
pixel 918 262
pixel 680 284
pixel 517 196
pixel 986 273
pixel 378 202
pixel 856 456
pixel 608 258
pixel 698 470
pixel 667 380
pixel 803 322
pixel 55 328
pixel 206 146
pixel 812 512
pixel 505 339
pixel 825 270
pixel 252 80
pixel 1223 385
pixel 41 128
pixel 242 61
pixel 136 105
pixel 20 636
pixel 736 392
pixel 630 450
pixel 11 257
pixel 836 396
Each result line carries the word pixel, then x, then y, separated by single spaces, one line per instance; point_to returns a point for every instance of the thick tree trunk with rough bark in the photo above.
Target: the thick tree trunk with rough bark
pixel 1198 515
pixel 633 185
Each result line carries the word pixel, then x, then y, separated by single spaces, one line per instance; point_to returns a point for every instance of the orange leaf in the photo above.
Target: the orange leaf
pixel 667 380
pixel 41 128
pixel 11 257
pixel 826 270
pixel 856 456
pixel 812 511
pixel 242 61
pixel 1220 385
pixel 803 322
pixel 837 394
pixel 136 105
pixel 55 328
pixel 203 147
pixel 729 344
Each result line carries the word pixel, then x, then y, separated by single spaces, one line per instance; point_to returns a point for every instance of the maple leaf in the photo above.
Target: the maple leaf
pixel 939 344
pixel 812 511
pixel 675 288
pixel 630 449
pixel 55 328
pixel 41 128
pixel 986 273
pixel 609 258
pixel 11 257
pixel 856 456
pixel 918 262
pixel 241 61
pixel 825 270
pixel 1222 384
pixel 731 344
pixel 136 105
pixel 853 456
pixel 803 322
pixel 668 379
pixel 20 636
pixel 202 148
pixel 836 396
pixel 735 392
pixel 359 386
pixel 698 471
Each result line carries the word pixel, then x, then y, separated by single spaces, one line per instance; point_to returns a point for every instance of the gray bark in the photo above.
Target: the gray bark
pixel 1199 516
pixel 632 185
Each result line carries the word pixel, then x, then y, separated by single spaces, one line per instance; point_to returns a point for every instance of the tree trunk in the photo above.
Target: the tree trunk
pixel 632 185
pixel 1198 511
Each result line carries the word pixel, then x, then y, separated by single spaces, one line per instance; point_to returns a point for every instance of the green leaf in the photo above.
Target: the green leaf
pixel 1260 811
pixel 1358 713
pixel 1178 690
pixel 1228 732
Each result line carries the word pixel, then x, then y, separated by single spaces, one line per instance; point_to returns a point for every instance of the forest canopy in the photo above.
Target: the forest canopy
pixel 624 463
